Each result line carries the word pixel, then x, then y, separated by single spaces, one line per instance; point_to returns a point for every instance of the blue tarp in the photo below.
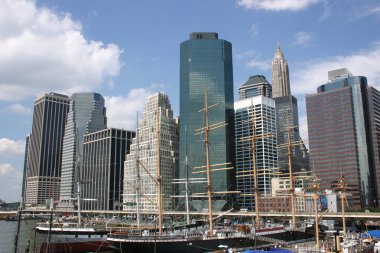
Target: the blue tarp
pixel 373 233
pixel 276 250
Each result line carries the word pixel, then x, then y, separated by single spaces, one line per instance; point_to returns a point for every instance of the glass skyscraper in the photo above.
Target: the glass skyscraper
pixel 343 136
pixel 206 68
pixel 87 114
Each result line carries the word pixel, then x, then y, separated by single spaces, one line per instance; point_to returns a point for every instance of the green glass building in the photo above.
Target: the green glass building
pixel 206 68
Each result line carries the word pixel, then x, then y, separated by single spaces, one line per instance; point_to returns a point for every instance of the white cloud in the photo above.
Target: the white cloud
pixel 254 30
pixel 277 5
pixel 122 110
pixel 20 109
pixel 10 183
pixel 302 38
pixel 259 64
pixel 6 169
pixel 244 55
pixel 307 76
pixel 43 51
pixel 11 147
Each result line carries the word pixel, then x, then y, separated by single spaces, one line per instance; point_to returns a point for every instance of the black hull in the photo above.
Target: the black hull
pixel 183 246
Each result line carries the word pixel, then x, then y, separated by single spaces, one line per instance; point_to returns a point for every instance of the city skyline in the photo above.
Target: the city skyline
pixel 34 39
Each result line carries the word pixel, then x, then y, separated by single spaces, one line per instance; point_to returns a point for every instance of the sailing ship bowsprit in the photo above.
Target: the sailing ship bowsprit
pixel 190 238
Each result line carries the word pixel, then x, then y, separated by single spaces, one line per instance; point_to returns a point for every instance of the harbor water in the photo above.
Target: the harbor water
pixel 8 231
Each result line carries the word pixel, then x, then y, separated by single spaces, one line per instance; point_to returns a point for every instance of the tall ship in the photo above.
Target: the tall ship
pixel 190 238
pixel 73 237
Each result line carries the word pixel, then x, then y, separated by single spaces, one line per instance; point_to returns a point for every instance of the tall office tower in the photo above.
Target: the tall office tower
pixel 287 116
pixel 102 174
pixel 24 174
pixel 280 75
pixel 255 86
pixel 261 110
pixel 343 136
pixel 206 69
pixel 374 118
pixel 87 114
pixel 155 147
pixel 45 150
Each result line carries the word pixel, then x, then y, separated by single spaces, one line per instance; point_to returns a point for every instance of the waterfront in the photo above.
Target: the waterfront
pixel 7 236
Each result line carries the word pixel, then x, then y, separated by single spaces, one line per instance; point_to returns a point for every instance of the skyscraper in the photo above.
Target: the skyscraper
pixel 262 111
pixel 45 149
pixel 255 86
pixel 343 136
pixel 104 154
pixel 24 174
pixel 87 114
pixel 280 75
pixel 287 116
pixel 206 68
pixel 155 146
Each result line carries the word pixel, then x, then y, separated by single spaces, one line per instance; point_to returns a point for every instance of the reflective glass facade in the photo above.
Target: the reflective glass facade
pixel 340 136
pixel 206 67
pixel 86 115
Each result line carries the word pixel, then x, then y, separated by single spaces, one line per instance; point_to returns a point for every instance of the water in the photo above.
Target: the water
pixel 8 232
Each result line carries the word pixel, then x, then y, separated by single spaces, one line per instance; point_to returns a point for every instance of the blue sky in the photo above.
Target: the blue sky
pixel 127 50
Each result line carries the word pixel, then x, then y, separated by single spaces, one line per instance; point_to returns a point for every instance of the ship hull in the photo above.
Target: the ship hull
pixel 65 243
pixel 182 246
pixel 73 240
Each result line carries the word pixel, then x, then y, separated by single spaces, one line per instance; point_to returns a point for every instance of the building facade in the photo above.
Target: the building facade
pixel 24 174
pixel 87 114
pixel 280 75
pixel 102 174
pixel 153 155
pixel 45 150
pixel 342 135
pixel 255 86
pixel 262 111
pixel 206 70
pixel 287 117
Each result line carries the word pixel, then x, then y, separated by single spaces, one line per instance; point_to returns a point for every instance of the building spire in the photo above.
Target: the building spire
pixel 280 74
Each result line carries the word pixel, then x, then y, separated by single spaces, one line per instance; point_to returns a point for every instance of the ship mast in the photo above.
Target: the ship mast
pixel 342 187
pixel 208 173
pixel 216 167
pixel 289 145
pixel 159 178
pixel 137 172
pixel 315 186
pixel 291 173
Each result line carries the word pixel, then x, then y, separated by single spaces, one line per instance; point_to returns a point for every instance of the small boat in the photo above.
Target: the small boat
pixel 68 237
pixel 72 237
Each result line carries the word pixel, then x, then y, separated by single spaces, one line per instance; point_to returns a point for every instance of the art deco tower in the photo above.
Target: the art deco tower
pixel 286 116
pixel 155 146
pixel 280 75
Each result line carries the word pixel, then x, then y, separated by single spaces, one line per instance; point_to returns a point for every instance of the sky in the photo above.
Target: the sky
pixel 128 50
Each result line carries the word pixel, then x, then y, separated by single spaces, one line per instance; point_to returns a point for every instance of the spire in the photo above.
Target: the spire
pixel 278 53
pixel 280 75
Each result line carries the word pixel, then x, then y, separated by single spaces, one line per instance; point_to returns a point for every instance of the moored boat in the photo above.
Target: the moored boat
pixel 68 237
